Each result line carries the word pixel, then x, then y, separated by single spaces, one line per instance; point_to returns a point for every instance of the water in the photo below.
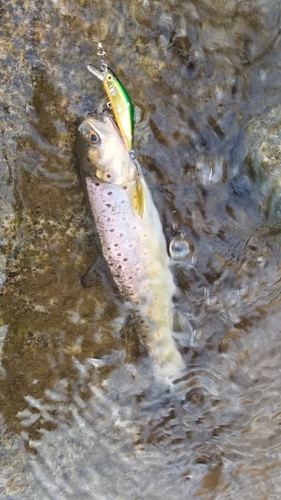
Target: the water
pixel 81 414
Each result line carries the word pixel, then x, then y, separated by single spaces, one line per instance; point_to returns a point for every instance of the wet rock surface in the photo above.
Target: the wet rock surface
pixel 81 415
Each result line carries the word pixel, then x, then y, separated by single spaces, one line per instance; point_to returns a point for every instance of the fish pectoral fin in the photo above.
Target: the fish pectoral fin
pixel 97 275
pixel 138 197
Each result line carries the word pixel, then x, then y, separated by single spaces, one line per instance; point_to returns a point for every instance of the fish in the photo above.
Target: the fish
pixel 122 106
pixel 133 247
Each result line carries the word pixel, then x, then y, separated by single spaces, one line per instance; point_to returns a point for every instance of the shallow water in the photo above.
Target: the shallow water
pixel 81 414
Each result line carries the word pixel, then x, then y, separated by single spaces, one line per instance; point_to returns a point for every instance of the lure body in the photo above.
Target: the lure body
pixel 122 106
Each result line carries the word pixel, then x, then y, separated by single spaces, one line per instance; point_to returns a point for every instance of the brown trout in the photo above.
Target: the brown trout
pixel 133 245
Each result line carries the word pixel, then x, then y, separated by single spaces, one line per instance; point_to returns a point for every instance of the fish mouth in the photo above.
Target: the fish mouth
pixel 102 117
pixel 99 122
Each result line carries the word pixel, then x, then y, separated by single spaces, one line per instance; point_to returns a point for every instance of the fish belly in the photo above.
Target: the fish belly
pixel 135 251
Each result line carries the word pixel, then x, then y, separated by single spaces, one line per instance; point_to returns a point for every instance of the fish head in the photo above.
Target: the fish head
pixel 102 153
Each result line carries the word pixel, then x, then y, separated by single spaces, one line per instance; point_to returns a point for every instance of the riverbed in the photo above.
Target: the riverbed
pixel 81 413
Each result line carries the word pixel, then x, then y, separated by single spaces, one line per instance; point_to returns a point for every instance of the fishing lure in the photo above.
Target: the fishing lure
pixel 122 106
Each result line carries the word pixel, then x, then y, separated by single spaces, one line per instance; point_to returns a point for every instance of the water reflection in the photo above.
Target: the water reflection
pixel 274 208
pixel 73 380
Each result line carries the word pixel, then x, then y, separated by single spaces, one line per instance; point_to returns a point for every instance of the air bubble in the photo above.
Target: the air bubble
pixel 261 261
pixel 181 247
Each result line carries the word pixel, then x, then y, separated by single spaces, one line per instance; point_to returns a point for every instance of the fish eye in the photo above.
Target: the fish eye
pixel 109 78
pixel 92 138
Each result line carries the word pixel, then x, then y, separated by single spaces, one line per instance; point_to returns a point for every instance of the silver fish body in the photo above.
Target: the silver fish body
pixel 133 246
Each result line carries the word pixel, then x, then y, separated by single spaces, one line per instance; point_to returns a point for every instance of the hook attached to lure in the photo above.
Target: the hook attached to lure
pixel 101 53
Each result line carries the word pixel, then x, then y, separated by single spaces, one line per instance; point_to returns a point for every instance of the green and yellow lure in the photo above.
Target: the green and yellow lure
pixel 122 106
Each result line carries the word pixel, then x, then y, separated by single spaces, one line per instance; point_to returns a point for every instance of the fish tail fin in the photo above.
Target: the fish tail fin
pixel 165 355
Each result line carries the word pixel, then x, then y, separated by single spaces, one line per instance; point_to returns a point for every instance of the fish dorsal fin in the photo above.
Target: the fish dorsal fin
pixel 138 196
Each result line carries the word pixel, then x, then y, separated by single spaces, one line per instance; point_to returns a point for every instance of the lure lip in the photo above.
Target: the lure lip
pixel 95 72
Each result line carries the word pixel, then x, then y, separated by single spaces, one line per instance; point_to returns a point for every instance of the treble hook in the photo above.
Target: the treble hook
pixel 101 53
